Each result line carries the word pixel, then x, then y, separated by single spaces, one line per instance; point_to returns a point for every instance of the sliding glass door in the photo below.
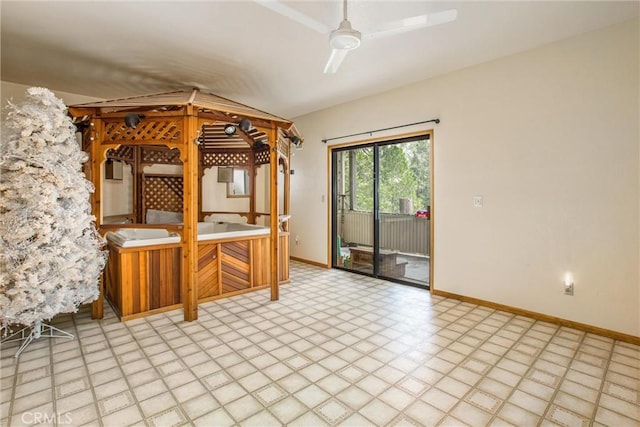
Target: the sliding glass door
pixel 353 209
pixel 381 209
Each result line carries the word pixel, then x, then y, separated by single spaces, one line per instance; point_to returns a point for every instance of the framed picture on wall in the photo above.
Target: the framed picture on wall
pixel 225 174
pixel 113 169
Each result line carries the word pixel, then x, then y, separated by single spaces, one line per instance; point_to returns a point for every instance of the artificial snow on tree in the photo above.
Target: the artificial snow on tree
pixel 51 255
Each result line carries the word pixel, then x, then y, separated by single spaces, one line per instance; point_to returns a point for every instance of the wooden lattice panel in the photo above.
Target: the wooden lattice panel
pixel 283 146
pixel 222 158
pixel 149 129
pixel 161 155
pixel 124 153
pixel 163 193
pixel 262 156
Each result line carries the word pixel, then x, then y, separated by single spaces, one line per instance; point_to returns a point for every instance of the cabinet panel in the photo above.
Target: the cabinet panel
pixel 140 280
pixel 235 266
pixel 208 271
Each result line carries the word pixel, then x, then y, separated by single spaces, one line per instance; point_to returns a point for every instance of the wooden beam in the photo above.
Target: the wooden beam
pixel 190 162
pixel 201 170
pixel 273 212
pixel 287 191
pixel 252 186
pixel 97 156
pixel 209 117
pixel 212 117
pixel 137 170
pixel 80 112
pixel 120 112
pixel 245 137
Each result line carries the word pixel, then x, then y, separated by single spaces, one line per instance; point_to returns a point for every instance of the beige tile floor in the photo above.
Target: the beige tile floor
pixel 337 349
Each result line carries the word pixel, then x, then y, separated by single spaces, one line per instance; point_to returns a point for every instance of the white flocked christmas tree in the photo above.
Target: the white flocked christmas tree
pixel 51 255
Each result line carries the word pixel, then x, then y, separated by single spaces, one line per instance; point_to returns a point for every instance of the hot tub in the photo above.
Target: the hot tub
pixel 135 237
pixel 224 230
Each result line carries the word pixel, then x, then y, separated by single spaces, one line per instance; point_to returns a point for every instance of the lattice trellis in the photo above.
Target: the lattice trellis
pixel 262 156
pixel 162 192
pixel 221 158
pixel 161 155
pixel 283 146
pixel 149 129
pixel 124 153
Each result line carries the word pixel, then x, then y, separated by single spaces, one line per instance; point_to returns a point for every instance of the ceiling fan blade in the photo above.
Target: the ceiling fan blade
pixel 413 23
pixel 284 10
pixel 337 55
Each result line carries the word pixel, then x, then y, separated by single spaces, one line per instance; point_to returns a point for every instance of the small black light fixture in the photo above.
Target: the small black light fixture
pixel 295 140
pixel 132 119
pixel 229 129
pixel 245 125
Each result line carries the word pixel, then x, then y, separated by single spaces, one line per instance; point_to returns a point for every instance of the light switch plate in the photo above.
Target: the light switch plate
pixel 477 201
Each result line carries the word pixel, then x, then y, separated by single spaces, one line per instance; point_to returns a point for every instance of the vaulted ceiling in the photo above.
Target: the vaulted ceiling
pixel 253 55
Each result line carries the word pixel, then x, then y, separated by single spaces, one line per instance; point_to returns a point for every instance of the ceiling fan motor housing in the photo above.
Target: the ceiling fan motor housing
pixel 345 37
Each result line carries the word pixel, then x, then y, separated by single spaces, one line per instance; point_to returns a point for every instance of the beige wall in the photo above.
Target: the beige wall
pixel 550 139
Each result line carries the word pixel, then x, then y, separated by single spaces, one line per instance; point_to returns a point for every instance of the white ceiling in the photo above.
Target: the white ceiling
pixel 246 52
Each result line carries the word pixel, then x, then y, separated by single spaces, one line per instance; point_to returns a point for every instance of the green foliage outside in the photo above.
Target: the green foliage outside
pixel 404 173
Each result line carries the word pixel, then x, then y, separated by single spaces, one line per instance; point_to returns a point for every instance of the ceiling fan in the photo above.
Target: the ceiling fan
pixel 344 38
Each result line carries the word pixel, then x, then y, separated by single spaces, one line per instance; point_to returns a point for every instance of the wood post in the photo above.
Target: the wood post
pixel 97 155
pixel 190 161
pixel 273 212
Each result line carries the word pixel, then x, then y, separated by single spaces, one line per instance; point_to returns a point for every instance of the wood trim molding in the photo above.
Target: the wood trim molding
pixel 632 339
pixel 432 228
pixel 306 261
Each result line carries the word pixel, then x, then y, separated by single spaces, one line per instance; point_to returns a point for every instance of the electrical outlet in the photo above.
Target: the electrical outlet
pixel 568 288
pixel 297 240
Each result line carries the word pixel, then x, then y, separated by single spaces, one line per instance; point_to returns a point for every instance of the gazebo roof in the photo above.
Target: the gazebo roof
pixel 164 101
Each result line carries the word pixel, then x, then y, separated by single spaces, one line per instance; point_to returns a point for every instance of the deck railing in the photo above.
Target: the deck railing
pixel 398 232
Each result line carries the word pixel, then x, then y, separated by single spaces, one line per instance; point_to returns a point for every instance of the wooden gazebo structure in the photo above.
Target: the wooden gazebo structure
pixel 187 128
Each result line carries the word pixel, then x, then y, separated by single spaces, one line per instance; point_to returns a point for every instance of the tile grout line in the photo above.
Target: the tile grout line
pixel 482 357
pixel 472 387
pixel 53 385
pixel 198 379
pixel 467 357
pixel 564 375
pixel 605 370
pixel 290 319
pixel 332 396
pixel 514 388
pixel 604 381
pixel 295 370
pixel 145 419
pixel 84 360
pixel 390 386
pixel 10 414
pixel 223 369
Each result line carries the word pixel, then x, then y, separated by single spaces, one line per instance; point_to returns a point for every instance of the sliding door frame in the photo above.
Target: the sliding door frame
pixel 332 203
